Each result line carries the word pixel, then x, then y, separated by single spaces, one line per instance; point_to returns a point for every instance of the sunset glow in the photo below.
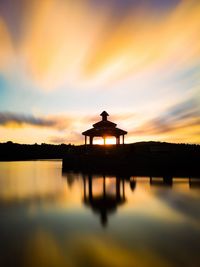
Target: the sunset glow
pixel 63 62
pixel 100 141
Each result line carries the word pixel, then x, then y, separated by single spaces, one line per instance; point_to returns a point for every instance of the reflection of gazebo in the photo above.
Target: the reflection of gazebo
pixel 166 180
pixel 103 129
pixel 105 202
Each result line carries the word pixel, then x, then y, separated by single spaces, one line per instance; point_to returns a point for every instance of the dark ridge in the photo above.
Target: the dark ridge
pixel 144 158
pixel 12 151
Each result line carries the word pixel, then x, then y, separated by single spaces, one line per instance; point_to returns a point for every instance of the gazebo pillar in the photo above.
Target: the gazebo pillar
pixel 91 140
pixel 117 140
pixel 85 139
pixel 123 139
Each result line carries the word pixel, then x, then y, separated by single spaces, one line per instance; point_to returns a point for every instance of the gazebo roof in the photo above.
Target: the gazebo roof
pixel 104 124
pixel 104 128
pixel 104 132
pixel 104 113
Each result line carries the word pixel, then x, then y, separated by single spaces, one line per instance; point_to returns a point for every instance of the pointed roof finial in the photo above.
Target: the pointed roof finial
pixel 104 115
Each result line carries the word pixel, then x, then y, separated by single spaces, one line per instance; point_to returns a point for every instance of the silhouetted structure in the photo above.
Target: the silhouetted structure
pixel 167 160
pixel 104 128
pixel 104 202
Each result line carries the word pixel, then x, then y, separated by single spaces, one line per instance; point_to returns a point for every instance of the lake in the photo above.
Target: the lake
pixel 51 218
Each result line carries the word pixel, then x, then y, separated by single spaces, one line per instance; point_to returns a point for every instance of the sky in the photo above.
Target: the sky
pixel 62 62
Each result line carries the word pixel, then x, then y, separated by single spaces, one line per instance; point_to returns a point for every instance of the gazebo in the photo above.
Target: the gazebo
pixel 104 128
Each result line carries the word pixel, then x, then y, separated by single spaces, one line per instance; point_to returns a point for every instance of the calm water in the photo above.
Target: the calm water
pixel 50 218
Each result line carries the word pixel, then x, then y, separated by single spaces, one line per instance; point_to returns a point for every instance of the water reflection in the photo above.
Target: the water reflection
pixel 52 218
pixel 108 199
pixel 194 183
pixel 161 181
pixel 103 194
pixel 30 181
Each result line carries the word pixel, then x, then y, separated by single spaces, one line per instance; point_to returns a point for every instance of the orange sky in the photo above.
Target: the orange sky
pixel 63 62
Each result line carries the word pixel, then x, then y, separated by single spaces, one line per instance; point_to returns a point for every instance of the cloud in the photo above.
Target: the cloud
pixel 6 47
pixel 121 38
pixel 70 137
pixel 183 116
pixel 146 51
pixel 115 117
pixel 52 128
pixel 130 4
pixel 20 120
pixel 13 13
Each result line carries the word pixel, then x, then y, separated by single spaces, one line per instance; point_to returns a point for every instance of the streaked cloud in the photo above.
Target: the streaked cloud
pixel 57 129
pixel 139 60
pixel 69 137
pixel 182 119
pixel 53 51
pixel 13 13
pixel 6 47
pixel 21 120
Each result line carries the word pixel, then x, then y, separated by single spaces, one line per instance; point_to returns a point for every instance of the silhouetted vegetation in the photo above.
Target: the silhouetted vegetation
pixel 153 158
pixel 13 151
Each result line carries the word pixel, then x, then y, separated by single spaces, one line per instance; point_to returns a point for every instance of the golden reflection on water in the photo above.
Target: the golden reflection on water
pixel 30 179
pixel 87 250
pixel 95 220
pixel 35 180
